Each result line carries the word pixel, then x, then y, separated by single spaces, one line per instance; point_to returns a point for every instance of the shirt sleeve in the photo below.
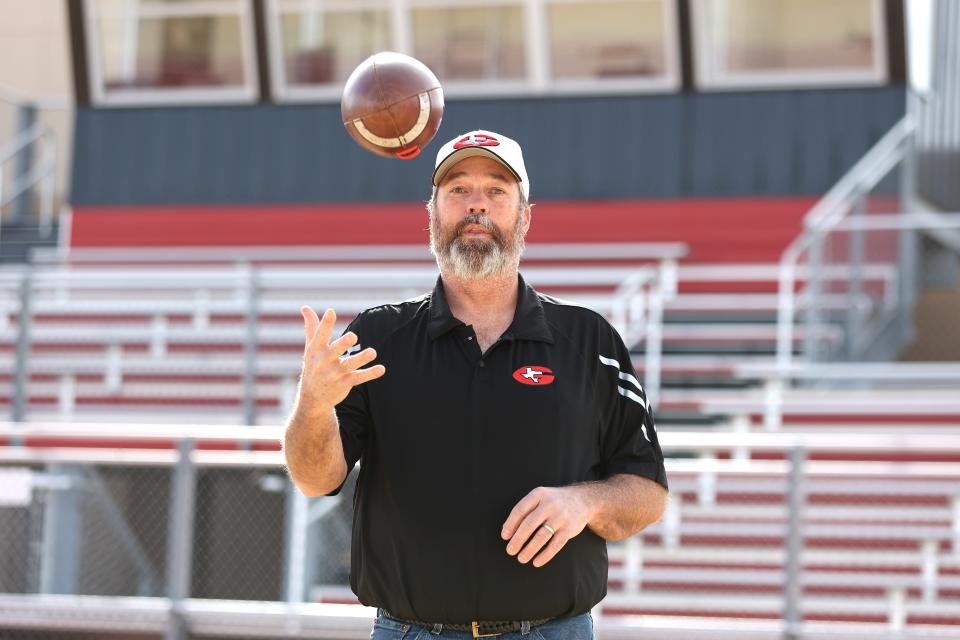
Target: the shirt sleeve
pixel 630 443
pixel 353 414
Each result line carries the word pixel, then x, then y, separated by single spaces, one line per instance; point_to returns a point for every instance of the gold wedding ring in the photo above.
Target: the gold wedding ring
pixel 548 528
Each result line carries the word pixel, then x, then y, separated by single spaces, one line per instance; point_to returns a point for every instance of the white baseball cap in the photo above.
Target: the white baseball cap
pixel 483 143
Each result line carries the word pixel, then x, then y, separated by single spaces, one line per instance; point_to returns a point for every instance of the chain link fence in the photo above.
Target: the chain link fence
pixel 84 529
pixel 95 528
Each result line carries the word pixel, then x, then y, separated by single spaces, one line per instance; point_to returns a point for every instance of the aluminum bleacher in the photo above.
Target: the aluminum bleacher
pixel 165 334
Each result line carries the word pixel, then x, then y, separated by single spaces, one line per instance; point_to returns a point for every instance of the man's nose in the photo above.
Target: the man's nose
pixel 478 203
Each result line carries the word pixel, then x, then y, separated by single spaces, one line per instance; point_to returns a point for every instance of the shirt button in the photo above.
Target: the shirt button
pixel 482 363
pixel 469 337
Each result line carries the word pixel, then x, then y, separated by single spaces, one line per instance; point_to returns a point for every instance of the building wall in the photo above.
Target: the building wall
pixel 35 48
pixel 675 146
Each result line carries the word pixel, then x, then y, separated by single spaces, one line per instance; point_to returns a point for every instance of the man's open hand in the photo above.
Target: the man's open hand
pixel 564 510
pixel 328 375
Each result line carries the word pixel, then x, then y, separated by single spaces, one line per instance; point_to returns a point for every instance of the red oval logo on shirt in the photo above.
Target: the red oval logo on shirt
pixel 534 375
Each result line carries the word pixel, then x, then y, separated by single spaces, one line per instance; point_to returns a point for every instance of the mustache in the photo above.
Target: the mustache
pixel 478 220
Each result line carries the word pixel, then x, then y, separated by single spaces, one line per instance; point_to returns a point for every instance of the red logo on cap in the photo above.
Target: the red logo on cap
pixel 476 140
pixel 534 375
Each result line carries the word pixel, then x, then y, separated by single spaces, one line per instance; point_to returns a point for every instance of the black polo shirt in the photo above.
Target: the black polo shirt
pixel 450 439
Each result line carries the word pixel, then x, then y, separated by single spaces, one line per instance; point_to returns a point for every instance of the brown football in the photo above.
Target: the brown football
pixel 392 105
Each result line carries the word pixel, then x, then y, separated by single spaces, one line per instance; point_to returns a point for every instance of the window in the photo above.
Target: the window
pixel 478 47
pixel 750 43
pixel 316 44
pixel 482 42
pixel 613 40
pixel 182 51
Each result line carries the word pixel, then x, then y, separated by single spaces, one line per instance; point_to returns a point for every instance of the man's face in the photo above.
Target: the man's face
pixel 477 226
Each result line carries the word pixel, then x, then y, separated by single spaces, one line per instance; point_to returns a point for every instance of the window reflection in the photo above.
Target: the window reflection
pixel 743 37
pixel 471 43
pixel 624 38
pixel 322 47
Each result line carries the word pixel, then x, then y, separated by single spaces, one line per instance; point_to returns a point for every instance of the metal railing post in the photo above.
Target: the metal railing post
pixel 908 241
pixel 786 308
pixel 814 262
pixel 250 349
pixel 62 532
pixel 26 118
pixel 180 538
pixel 857 247
pixel 654 337
pixel 22 366
pixel 296 540
pixel 793 568
pixel 773 390
pixel 48 184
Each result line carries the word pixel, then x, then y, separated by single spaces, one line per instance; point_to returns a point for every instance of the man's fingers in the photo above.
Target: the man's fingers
pixel 527 504
pixel 310 322
pixel 553 548
pixel 366 375
pixel 537 541
pixel 529 528
pixel 339 346
pixel 357 360
pixel 325 328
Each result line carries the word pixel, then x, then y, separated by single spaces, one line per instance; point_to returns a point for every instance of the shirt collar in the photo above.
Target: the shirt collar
pixel 529 319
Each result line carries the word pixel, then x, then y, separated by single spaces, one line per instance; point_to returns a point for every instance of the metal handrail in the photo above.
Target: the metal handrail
pixel 44 173
pixel 829 211
pixel 17 99
pixel 863 176
pixel 928 222
pixel 21 141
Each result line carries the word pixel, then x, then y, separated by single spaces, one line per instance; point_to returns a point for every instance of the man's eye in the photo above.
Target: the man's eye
pixel 497 190
pixel 458 190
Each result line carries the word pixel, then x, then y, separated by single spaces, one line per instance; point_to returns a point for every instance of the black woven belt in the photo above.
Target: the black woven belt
pixel 478 629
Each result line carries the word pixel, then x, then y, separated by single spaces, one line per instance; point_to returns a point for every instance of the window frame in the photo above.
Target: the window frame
pixel 247 93
pixel 708 78
pixel 282 90
pixel 538 80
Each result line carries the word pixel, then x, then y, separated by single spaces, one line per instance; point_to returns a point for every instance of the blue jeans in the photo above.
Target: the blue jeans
pixel 573 628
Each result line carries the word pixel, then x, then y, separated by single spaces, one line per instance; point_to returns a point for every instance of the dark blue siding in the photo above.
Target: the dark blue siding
pixel 684 145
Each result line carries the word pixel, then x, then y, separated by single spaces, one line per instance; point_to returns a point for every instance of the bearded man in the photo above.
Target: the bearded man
pixel 503 434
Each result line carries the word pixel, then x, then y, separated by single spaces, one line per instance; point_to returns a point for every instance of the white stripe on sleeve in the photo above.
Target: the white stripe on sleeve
pixel 623 376
pixel 630 394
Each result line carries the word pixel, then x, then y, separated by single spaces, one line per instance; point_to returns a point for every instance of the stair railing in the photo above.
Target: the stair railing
pixel 43 174
pixel 846 199
pixel 33 137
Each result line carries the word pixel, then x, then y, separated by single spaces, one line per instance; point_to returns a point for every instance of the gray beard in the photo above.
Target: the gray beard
pixel 476 259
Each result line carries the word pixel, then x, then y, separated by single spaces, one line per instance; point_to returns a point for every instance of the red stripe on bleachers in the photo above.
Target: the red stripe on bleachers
pixel 716 230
